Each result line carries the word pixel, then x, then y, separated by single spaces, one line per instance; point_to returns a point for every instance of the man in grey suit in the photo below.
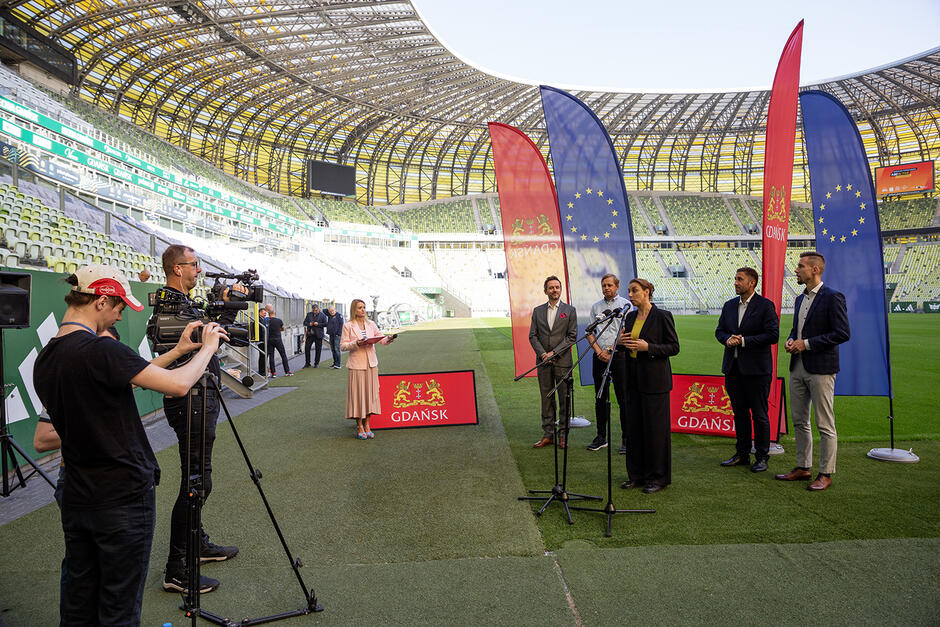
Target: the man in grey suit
pixel 553 331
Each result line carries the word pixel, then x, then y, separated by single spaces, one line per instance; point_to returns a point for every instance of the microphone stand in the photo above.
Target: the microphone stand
pixel 610 509
pixel 559 490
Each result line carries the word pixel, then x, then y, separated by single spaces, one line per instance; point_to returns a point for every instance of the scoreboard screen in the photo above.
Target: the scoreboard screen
pixel 910 178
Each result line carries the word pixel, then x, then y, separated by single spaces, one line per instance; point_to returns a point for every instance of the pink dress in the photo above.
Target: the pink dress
pixel 362 387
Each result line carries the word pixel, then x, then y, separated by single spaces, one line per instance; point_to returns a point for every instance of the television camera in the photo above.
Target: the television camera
pixel 172 311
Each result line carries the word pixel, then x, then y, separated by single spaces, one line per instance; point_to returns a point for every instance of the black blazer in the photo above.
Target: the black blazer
pixel 826 326
pixel 651 368
pixel 760 328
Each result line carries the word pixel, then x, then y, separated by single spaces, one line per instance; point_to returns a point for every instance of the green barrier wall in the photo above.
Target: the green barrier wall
pixel 21 346
pixel 932 306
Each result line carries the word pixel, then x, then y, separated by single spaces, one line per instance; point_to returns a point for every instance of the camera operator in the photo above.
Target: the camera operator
pixel 182 270
pixel 108 507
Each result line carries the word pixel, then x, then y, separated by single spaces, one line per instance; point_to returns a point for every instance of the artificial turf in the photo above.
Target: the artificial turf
pixel 422 526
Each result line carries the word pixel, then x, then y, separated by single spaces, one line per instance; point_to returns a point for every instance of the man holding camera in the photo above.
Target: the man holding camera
pixel 314 325
pixel 182 270
pixel 108 508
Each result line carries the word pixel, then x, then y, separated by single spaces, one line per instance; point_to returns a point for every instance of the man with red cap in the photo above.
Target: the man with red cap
pixel 108 507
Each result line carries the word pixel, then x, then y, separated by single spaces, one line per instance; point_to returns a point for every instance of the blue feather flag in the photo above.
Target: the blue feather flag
pixel 592 200
pixel 848 234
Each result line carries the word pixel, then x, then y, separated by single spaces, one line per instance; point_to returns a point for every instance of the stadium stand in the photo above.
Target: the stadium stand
pixel 342 211
pixel 801 216
pixel 699 215
pixel 919 274
pixel 40 229
pixel 449 216
pixel 914 213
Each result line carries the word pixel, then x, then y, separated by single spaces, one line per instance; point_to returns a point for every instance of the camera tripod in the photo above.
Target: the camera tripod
pixel 196 493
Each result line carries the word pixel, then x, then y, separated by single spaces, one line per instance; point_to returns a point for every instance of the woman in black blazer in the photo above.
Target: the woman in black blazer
pixel 650 335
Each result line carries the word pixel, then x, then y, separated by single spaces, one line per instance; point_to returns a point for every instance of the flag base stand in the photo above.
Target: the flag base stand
pixel 775 449
pixel 898 455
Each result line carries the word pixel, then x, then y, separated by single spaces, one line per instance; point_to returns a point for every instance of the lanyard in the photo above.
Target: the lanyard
pixel 79 324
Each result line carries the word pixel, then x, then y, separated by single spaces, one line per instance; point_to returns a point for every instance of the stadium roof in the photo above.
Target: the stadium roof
pixel 257 86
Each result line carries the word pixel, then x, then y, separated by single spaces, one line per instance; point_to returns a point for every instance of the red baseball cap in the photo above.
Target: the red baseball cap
pixel 106 281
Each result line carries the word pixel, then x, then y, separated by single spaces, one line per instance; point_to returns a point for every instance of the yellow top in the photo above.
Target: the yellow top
pixel 635 332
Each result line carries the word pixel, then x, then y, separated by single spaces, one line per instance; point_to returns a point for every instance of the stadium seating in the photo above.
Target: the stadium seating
pixel 455 216
pixel 38 235
pixel 698 215
pixel 342 211
pixel 916 213
pixel 801 216
pixel 919 272
pixel 39 229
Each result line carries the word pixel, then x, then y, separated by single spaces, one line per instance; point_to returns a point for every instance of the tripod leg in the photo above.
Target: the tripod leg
pixel 312 604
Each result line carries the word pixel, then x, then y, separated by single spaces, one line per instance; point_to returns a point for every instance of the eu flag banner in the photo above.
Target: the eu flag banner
pixel 592 201
pixel 848 234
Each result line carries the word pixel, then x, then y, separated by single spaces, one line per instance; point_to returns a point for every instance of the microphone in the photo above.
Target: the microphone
pixel 607 315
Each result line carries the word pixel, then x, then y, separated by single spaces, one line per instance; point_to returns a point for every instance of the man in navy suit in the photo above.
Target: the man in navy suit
pixel 747 328
pixel 820 324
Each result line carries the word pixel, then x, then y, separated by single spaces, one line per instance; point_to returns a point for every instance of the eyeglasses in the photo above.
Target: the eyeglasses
pixel 189 263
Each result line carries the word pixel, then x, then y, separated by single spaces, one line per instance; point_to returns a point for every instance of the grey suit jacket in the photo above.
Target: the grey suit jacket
pixel 559 338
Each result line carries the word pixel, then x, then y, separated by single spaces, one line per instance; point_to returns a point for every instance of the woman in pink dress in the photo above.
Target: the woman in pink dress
pixel 362 388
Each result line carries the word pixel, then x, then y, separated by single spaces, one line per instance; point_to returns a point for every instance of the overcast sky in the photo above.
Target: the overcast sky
pixel 678 45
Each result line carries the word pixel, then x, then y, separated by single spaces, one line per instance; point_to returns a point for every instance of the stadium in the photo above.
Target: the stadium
pixel 126 127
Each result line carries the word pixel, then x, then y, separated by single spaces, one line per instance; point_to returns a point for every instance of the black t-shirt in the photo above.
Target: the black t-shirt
pixel 274 329
pixel 84 383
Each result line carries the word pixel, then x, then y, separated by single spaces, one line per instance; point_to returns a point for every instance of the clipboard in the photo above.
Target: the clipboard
pixel 379 338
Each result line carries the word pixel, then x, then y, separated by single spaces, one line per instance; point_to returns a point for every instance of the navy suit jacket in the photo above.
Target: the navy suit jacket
pixel 826 326
pixel 760 328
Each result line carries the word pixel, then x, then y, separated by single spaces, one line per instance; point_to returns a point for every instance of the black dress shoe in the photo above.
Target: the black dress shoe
pixel 628 484
pixel 651 488
pixel 759 466
pixel 737 460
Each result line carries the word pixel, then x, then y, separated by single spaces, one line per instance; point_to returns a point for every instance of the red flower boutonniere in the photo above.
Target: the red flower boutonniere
pixel 563 316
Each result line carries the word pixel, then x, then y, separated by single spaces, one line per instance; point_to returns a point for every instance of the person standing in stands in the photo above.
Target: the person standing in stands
pixel 335 328
pixel 362 384
pixel 276 343
pixel 314 325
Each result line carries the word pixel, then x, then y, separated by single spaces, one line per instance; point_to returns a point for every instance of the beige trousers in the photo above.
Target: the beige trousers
pixel 816 391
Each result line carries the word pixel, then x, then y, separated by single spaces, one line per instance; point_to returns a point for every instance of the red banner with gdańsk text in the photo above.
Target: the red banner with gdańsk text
pixel 699 404
pixel 531 231
pixel 778 179
pixel 430 399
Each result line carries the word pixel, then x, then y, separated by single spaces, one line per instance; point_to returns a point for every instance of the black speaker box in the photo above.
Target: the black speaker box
pixel 14 300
